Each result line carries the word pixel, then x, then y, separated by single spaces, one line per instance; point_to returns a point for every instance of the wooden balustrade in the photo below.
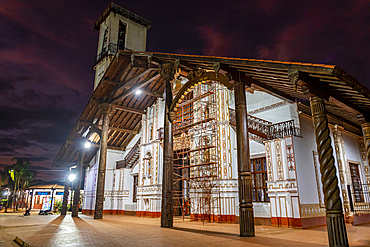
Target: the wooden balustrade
pixel 266 129
pixel 126 162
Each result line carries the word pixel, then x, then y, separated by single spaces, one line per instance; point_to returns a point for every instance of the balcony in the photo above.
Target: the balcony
pixel 131 158
pixel 265 129
pixel 359 198
pixel 111 49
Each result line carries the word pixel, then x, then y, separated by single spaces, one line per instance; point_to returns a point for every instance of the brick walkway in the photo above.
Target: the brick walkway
pixel 114 230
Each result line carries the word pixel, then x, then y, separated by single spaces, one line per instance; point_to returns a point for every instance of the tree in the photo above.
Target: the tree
pixel 20 175
pixel 6 177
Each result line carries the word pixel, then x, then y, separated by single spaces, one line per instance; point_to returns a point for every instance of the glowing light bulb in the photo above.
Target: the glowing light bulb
pixel 87 144
pixel 71 177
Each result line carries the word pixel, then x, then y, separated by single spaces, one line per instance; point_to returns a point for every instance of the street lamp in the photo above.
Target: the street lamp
pixel 138 92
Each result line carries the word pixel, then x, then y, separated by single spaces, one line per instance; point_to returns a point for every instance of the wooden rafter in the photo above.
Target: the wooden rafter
pixel 122 85
pixel 85 123
pixel 134 88
pixel 129 109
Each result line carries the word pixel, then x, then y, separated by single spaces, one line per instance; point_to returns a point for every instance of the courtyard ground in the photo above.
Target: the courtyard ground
pixel 116 230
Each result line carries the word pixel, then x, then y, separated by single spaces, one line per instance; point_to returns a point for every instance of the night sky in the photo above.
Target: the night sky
pixel 47 49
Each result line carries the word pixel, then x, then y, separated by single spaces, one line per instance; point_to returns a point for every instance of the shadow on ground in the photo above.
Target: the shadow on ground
pixel 266 241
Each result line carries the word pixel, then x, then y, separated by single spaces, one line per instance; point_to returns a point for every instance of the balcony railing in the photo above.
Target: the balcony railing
pixel 359 198
pixel 265 129
pixel 131 157
pixel 280 130
pixel 111 49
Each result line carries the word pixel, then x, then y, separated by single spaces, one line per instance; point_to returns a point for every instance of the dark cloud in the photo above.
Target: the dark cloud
pixel 24 78
pixel 5 85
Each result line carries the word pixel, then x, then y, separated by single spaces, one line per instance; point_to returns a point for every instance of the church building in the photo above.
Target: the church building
pixel 218 139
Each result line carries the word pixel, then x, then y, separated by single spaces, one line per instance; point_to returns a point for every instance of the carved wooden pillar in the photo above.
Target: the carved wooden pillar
pixel 76 197
pixel 337 233
pixel 246 217
pixel 106 109
pixel 366 133
pixel 65 195
pixel 167 72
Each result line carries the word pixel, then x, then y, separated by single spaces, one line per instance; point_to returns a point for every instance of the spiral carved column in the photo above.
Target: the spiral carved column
pixel 246 217
pixel 106 109
pixel 337 233
pixel 366 137
pixel 366 133
pixel 167 72
pixel 65 195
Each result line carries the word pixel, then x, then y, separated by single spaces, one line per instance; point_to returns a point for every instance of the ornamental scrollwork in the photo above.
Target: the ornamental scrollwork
pixel 195 73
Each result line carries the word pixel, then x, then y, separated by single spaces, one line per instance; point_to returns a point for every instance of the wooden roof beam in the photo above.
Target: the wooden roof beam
pixel 125 108
pixel 129 109
pixel 124 130
pixel 236 74
pixel 85 123
pixel 114 83
pixel 131 82
pixel 95 145
pixel 150 93
pixel 147 92
pixel 311 85
pixel 134 88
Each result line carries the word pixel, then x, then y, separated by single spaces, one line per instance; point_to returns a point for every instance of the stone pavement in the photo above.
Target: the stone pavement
pixel 117 230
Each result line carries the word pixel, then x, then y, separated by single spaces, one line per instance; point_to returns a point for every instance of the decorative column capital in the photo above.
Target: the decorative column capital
pixel 106 108
pixel 171 116
pixel 337 128
pixel 366 130
pixel 293 78
pixel 167 71
pixel 317 106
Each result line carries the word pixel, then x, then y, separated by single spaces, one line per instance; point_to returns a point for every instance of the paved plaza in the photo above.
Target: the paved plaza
pixel 116 230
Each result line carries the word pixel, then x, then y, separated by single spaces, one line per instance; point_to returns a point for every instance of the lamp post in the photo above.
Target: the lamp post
pixel 71 178
pixel 7 200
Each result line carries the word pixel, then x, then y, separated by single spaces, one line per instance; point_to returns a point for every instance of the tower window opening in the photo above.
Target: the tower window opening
pixel 121 36
pixel 105 40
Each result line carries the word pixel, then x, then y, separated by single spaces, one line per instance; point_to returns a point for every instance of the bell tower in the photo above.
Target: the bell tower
pixel 119 29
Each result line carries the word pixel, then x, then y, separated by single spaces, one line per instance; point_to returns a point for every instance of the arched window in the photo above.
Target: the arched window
pixel 150 134
pixel 148 165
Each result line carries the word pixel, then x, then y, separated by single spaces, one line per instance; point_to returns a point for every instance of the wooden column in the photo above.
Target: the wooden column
pixel 167 72
pixel 366 133
pixel 106 109
pixel 244 164
pixel 76 196
pixel 337 233
pixel 65 194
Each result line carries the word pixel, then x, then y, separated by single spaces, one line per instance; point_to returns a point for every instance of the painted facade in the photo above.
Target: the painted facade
pixel 293 177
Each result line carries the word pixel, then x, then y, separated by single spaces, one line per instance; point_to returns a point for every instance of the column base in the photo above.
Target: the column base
pixel 98 217
pixel 337 233
pixel 246 223
pixel 167 210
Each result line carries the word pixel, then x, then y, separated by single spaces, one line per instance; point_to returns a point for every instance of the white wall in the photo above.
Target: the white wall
pixel 303 148
pixel 352 148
